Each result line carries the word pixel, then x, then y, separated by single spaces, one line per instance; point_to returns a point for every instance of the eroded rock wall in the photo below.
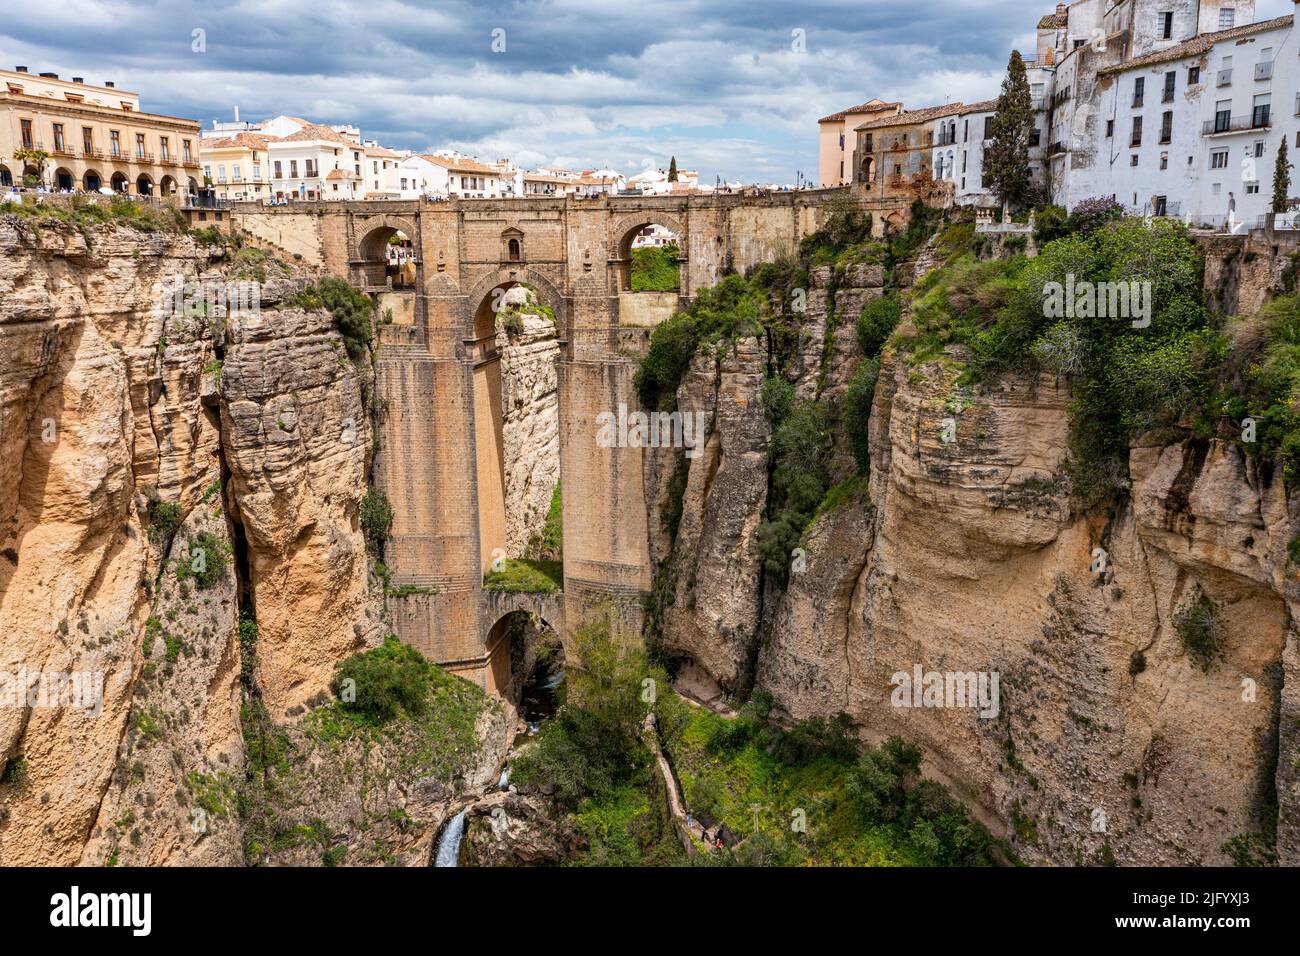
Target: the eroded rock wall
pixel 1110 741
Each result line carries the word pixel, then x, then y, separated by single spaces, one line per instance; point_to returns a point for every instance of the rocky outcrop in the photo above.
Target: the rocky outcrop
pixel 965 553
pixel 515 829
pixel 712 603
pixel 296 439
pixel 165 465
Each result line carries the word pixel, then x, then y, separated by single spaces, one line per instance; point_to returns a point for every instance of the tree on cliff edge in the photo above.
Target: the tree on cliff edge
pixel 1006 158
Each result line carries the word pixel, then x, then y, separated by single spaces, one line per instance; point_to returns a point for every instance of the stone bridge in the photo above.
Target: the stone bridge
pixel 439 457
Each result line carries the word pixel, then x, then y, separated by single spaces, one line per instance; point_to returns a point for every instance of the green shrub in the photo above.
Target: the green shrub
pixel 208 559
pixel 526 576
pixel 383 682
pixel 352 311
pixel 376 519
pixel 1202 631
pixel 164 518
pixel 877 322
pixel 858 397
pixel 800 452
pixel 655 269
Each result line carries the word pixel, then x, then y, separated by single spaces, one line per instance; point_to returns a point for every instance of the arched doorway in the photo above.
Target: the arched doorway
pixel 167 187
pixel 144 185
pixel 6 177
pixel 526 665
pixel 119 183
pixel 192 186
pixel 91 182
pixel 63 178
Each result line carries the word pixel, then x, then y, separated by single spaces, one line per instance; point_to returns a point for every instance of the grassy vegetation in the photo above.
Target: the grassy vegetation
pixel 655 269
pixel 548 543
pixel 82 213
pixel 800 454
pixel 526 576
pixel 806 796
pixel 1201 631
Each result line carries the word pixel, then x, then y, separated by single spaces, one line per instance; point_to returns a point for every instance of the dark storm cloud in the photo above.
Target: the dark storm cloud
pixel 580 82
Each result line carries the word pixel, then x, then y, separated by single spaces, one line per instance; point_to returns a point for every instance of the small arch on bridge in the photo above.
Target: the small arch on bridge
pixel 387 254
pixel 525 658
pixel 647 229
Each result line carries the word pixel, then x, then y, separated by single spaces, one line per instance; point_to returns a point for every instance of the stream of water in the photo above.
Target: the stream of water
pixel 537 701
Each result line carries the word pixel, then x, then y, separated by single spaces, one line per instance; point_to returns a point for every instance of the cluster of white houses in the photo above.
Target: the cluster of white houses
pixel 1172 107
pixel 288 158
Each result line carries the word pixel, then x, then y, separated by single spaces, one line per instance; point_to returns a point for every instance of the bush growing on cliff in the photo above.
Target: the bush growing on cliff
pixel 1201 630
pixel 728 310
pixel 857 411
pixel 352 311
pixel 376 519
pixel 800 454
pixel 164 518
pixel 877 322
pixel 379 684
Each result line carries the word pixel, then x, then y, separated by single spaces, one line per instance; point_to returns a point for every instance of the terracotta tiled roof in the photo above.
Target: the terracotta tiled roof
pixel 1054 21
pixel 1197 45
pixel 381 151
pixel 912 117
pixel 871 106
pixel 314 131
pixel 983 106
pixel 246 140
pixel 460 164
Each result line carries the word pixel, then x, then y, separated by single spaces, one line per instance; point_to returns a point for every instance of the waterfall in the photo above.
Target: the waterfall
pixel 449 843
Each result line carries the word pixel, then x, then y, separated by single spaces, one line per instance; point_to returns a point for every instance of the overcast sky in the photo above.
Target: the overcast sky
pixel 722 86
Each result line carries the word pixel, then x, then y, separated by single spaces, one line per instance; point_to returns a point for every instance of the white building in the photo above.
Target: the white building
pixel 316 162
pixel 445 174
pixel 1189 128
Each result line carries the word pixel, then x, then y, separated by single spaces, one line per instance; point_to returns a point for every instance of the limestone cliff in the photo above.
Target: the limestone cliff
pixel 1111 741
pixel 165 464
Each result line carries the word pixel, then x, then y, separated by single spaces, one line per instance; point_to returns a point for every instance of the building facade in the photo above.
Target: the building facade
pixel 837 158
pixel 96 138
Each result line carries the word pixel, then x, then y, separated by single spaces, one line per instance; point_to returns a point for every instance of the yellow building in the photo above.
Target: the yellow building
pixel 96 136
pixel 236 167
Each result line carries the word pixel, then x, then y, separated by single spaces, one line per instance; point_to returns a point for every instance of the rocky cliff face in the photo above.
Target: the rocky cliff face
pixel 530 425
pixel 1110 740
pixel 162 471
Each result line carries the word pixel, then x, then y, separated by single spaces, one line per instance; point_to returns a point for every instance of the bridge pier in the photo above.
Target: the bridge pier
pixel 572 253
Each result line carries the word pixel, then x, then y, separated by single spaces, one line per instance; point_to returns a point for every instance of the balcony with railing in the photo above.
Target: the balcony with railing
pixel 1224 124
pixel 89 152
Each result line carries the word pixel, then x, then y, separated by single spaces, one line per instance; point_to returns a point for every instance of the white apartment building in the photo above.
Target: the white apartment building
pixel 380 171
pixel 445 174
pixel 1173 107
pixel 316 162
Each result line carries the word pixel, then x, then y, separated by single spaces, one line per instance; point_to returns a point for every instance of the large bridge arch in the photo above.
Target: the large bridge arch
pixel 424 375
pixel 481 290
pixel 624 230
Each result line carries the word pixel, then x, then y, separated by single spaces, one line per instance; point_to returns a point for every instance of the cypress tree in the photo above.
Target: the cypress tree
pixel 672 170
pixel 1281 179
pixel 1006 158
